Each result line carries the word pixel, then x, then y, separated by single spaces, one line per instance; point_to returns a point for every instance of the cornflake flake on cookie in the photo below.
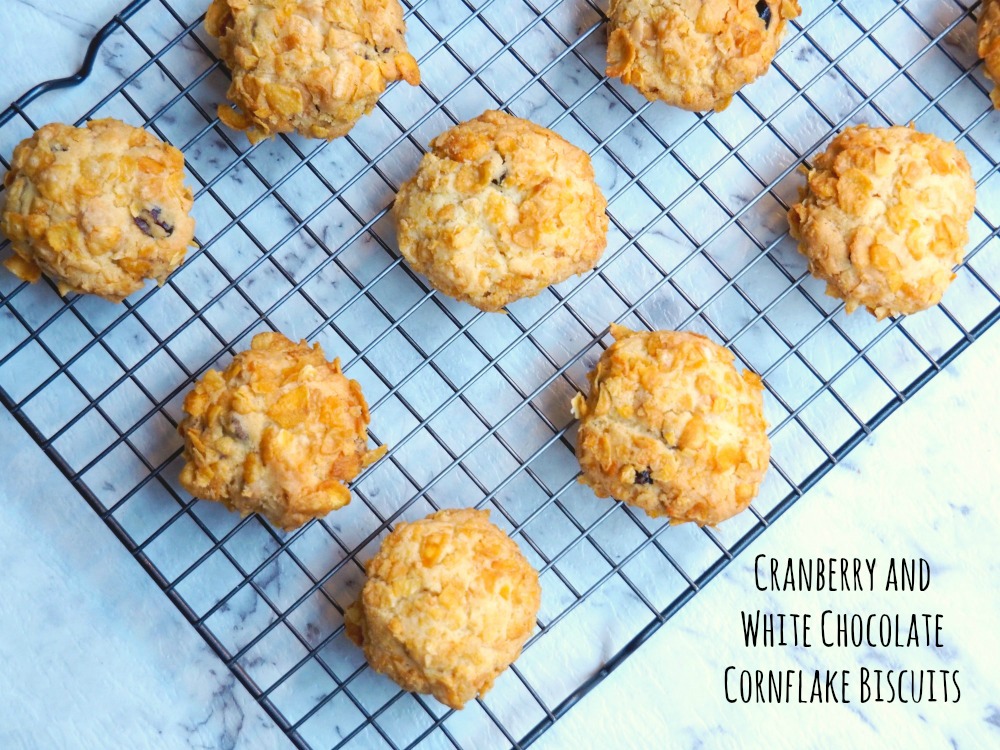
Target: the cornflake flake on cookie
pixel 449 602
pixel 98 209
pixel 671 426
pixel 499 209
pixel 883 218
pixel 278 432
pixel 309 66
pixel 694 54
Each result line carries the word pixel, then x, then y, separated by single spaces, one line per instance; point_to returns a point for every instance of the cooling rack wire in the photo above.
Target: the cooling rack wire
pixel 293 235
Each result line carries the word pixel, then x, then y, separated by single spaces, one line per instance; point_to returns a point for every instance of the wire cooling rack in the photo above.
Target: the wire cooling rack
pixel 294 236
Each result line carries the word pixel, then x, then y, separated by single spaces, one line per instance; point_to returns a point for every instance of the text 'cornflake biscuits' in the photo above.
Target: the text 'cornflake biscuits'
pixel 989 44
pixel 499 209
pixel 97 209
pixel 309 66
pixel 694 54
pixel 278 432
pixel 449 602
pixel 671 427
pixel 884 218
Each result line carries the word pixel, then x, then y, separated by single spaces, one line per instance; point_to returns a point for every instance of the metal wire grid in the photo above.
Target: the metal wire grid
pixel 293 236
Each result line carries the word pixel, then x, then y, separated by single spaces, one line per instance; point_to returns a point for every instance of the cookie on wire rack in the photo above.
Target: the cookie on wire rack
pixel 278 432
pixel 694 54
pixel 309 66
pixel 989 45
pixel 671 426
pixel 499 209
pixel 449 602
pixel 98 209
pixel 883 218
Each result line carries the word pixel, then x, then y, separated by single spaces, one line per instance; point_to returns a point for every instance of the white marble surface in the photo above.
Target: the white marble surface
pixel 93 654
pixel 881 502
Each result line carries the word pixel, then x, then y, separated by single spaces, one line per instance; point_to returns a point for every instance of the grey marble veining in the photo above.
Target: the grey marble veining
pixel 93 654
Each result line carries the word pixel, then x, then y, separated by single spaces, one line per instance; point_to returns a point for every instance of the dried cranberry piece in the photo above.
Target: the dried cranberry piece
pixel 764 11
pixel 151 225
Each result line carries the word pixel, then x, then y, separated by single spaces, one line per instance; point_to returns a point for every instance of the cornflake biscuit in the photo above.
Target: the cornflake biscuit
pixel 499 209
pixel 97 209
pixel 695 54
pixel 883 218
pixel 448 604
pixel 278 432
pixel 312 66
pixel 989 44
pixel 671 427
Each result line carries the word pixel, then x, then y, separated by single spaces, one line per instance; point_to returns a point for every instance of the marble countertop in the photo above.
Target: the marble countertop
pixel 92 655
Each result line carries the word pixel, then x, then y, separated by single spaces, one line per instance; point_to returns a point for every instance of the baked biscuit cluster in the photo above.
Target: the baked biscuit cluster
pixel 694 54
pixel 278 432
pixel 499 209
pixel 449 602
pixel 671 427
pixel 989 44
pixel 883 218
pixel 97 209
pixel 309 66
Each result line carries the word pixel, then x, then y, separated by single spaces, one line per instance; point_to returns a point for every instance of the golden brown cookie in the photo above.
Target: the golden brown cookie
pixel 278 432
pixel 499 209
pixel 671 427
pixel 312 66
pixel 695 54
pixel 97 209
pixel 989 44
pixel 448 604
pixel 883 218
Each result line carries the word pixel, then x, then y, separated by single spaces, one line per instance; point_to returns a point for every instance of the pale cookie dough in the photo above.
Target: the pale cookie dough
pixel 671 427
pixel 695 54
pixel 883 218
pixel 989 44
pixel 499 209
pixel 309 66
pixel 449 602
pixel 97 209
pixel 278 432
